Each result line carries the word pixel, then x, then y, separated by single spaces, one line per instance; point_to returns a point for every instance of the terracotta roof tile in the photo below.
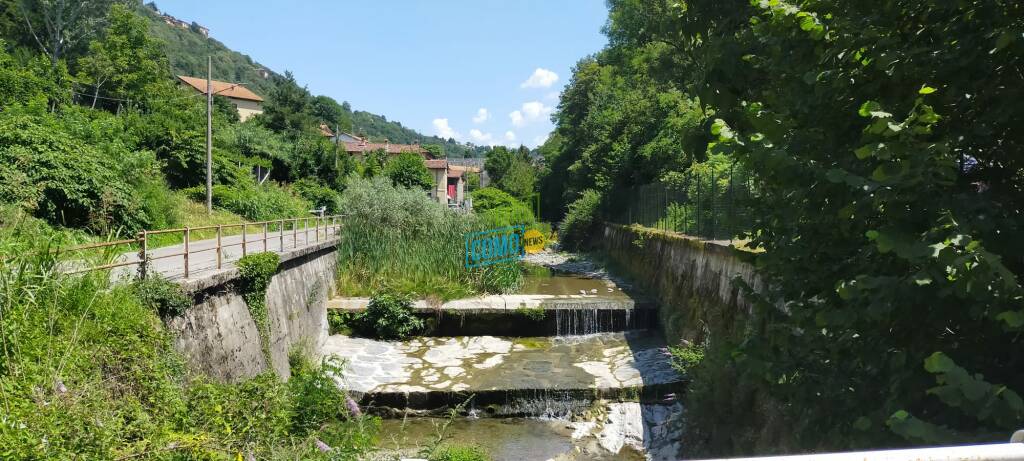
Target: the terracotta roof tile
pixel 231 90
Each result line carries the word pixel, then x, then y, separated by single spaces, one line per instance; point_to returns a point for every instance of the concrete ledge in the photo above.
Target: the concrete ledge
pixel 498 304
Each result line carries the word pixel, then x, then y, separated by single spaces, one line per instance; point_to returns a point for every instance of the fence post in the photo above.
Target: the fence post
pixel 264 237
pixel 143 249
pixel 280 233
pixel 305 227
pixel 696 232
pixel 219 248
pixel 187 235
pixel 732 210
pixel 714 213
pixel 244 238
pixel 295 232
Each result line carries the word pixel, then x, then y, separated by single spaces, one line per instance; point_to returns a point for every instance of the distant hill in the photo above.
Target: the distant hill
pixel 187 49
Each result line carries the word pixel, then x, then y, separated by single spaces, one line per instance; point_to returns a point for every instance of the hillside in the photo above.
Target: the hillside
pixel 187 49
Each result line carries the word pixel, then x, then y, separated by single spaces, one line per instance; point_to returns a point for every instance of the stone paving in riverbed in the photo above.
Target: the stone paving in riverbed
pixel 476 363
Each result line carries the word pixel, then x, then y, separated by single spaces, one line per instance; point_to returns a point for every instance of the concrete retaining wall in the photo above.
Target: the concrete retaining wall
pixel 218 336
pixel 692 280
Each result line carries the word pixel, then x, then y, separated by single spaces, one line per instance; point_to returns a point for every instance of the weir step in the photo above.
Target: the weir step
pixel 501 376
pixel 526 315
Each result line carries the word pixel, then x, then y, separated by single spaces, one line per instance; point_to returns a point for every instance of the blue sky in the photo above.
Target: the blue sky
pixel 432 65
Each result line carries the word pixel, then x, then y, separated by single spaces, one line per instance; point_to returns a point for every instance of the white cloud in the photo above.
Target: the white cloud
pixel 530 112
pixel 443 130
pixel 480 137
pixel 552 96
pixel 481 115
pixel 517 118
pixel 539 140
pixel 510 136
pixel 535 109
pixel 541 78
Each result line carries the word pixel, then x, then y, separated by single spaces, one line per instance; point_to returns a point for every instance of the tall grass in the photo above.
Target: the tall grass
pixel 87 371
pixel 401 239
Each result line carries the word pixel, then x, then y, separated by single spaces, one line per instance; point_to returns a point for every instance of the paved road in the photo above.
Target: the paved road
pixel 168 261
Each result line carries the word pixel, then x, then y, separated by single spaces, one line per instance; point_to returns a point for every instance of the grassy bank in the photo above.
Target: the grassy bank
pixel 89 372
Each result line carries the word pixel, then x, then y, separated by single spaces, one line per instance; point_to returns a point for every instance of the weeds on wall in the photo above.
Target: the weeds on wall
pixel 255 272
pixel 165 297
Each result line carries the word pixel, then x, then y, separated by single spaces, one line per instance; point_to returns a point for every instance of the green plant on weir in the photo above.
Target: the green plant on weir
pixel 535 314
pixel 165 297
pixel 255 272
pixel 389 316
pixel 686 357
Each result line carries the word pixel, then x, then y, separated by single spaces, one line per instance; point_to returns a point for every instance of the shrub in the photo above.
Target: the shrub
pixel 580 221
pixel 389 316
pixel 318 195
pixel 165 297
pixel 457 452
pixel 686 357
pixel 64 180
pixel 500 209
pixel 255 202
pixel 409 170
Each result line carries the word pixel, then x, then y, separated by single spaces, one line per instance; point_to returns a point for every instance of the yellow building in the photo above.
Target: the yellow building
pixel 246 102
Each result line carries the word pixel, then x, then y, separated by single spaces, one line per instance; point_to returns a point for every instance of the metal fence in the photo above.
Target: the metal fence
pixel 276 235
pixel 711 205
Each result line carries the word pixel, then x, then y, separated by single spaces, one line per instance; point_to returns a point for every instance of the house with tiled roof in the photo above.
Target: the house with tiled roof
pixel 449 180
pixel 245 101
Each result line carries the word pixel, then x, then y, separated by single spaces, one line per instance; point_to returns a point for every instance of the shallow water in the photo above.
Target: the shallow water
pixel 505 439
pixel 562 284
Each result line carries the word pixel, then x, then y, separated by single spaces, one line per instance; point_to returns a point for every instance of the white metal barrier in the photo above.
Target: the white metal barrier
pixel 1013 451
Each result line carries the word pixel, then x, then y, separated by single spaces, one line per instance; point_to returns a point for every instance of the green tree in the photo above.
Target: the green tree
pixel 409 170
pixel 57 26
pixel 126 61
pixel 288 109
pixel 884 145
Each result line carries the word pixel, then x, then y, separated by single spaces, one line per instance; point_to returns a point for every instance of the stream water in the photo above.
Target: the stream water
pixel 600 389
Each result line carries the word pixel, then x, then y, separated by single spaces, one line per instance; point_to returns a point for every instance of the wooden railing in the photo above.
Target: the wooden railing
pixel 284 231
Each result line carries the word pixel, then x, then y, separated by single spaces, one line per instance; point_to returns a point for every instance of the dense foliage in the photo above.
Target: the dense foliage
pixel 512 171
pixel 885 135
pixel 409 170
pixel 89 372
pixel 389 315
pixel 402 239
pixel 501 209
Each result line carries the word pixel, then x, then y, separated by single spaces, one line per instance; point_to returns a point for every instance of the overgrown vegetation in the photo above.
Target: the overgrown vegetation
pixel 90 373
pixel 456 452
pixel 884 144
pixel 400 239
pixel 163 296
pixel 389 315
pixel 254 274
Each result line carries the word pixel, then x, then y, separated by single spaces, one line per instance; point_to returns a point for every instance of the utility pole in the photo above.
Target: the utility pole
pixel 209 135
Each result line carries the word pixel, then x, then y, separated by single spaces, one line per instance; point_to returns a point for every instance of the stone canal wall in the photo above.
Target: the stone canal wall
pixel 694 281
pixel 218 335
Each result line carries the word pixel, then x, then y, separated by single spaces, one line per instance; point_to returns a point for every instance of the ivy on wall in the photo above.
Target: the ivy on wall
pixel 255 272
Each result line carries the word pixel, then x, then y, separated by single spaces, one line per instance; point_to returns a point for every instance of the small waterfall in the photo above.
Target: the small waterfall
pixel 544 403
pixel 578 320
